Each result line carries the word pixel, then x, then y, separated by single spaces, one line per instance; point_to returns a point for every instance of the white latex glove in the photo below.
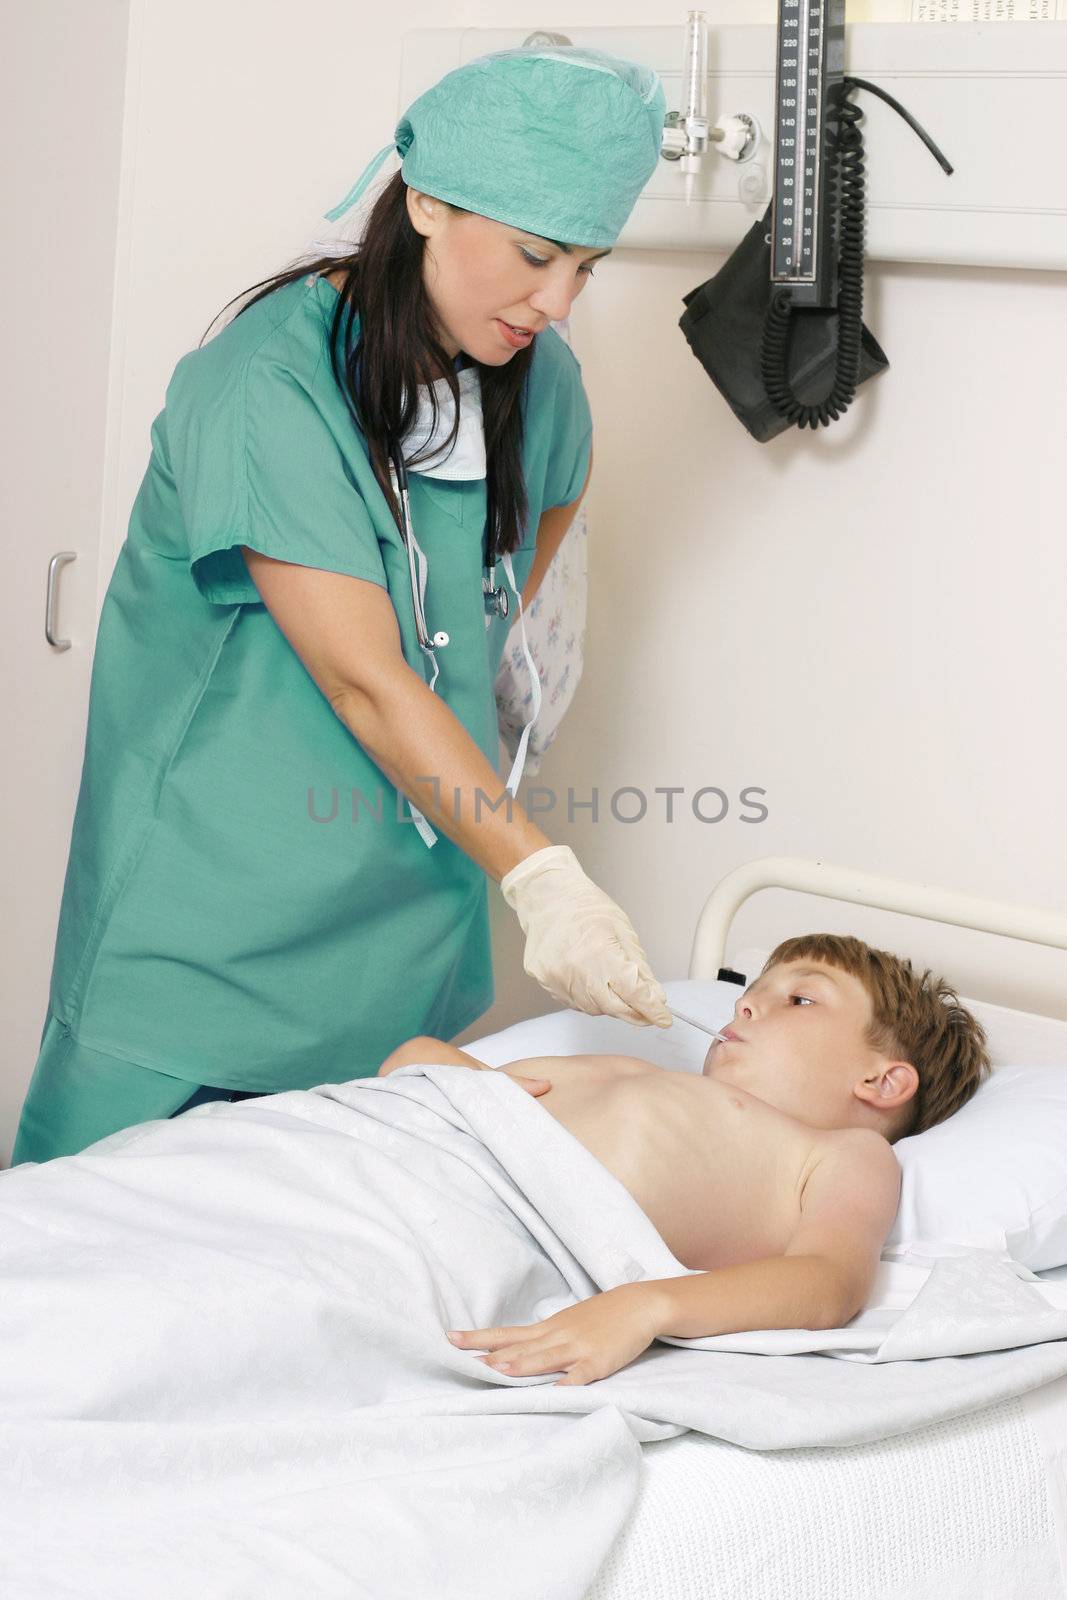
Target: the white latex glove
pixel 580 945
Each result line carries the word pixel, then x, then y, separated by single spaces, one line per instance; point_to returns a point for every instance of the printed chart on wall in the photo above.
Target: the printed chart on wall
pixel 957 11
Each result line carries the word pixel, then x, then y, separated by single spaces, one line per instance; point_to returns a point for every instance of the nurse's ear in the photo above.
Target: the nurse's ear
pixel 425 212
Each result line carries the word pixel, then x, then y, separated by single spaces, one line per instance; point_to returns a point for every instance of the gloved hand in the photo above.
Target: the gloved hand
pixel 580 945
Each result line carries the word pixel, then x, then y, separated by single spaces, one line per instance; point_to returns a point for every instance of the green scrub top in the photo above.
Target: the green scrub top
pixel 233 912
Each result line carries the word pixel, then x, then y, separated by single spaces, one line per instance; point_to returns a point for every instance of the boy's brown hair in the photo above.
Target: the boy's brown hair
pixel 914 1018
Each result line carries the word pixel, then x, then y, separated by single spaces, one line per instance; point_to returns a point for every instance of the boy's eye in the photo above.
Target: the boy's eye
pixel 539 261
pixel 805 997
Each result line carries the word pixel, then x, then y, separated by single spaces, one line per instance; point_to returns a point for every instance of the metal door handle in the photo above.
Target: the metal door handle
pixel 54 565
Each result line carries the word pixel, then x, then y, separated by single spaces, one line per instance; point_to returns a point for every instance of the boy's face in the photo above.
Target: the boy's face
pixel 801 1044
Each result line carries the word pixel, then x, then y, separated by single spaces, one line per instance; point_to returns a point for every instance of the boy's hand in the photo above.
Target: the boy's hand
pixel 588 1341
pixel 534 1086
pixel 424 1051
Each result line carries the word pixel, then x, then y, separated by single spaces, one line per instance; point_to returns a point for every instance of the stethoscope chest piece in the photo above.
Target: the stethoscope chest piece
pixel 496 600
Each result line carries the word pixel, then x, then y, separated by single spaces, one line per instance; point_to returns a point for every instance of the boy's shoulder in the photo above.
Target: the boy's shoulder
pixel 848 1155
pixel 851 1187
pixel 848 1203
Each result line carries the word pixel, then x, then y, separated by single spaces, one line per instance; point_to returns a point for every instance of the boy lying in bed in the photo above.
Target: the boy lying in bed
pixel 771 1172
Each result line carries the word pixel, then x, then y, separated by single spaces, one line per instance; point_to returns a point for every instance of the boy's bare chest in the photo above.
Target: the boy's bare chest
pixel 717 1171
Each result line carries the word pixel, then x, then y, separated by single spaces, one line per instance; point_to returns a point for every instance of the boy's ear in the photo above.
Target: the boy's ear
pixel 889 1087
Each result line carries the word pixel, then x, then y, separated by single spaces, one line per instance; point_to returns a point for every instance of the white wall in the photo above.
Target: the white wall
pixel 867 623
pixel 62 81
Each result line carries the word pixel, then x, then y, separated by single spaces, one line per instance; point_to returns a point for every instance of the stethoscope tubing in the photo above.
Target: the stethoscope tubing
pixel 400 484
pixel 494 598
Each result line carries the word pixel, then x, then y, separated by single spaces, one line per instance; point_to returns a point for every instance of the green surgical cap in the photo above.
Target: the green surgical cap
pixel 556 140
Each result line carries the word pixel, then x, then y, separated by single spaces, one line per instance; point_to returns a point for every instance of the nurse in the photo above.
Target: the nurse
pixel 289 804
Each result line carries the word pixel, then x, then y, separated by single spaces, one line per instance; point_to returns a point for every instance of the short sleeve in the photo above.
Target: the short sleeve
pixel 258 462
pixel 572 438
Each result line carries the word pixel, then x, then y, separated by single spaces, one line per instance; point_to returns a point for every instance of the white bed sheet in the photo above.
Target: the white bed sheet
pixel 972 1508
pixel 957 1511
pixel 228 1375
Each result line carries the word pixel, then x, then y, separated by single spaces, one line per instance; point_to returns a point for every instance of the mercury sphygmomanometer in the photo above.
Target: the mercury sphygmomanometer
pixel 779 329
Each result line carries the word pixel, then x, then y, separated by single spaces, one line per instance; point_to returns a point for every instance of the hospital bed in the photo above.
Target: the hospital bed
pixel 973 1508
pixel 223 1369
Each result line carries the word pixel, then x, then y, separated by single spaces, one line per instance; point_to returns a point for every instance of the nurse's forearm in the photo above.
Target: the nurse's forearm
pixel 427 753
pixel 551 532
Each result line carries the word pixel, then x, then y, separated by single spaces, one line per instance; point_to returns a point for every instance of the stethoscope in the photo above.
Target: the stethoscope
pixel 494 598
pixel 496 603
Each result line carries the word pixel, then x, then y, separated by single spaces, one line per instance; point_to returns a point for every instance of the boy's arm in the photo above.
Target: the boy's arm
pixel 822 1280
pixel 426 1051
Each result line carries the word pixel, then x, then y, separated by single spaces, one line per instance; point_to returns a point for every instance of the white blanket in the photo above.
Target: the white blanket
pixel 225 1371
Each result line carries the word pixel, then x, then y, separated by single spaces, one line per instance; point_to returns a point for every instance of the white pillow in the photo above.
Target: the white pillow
pixel 565 1033
pixel 993 1176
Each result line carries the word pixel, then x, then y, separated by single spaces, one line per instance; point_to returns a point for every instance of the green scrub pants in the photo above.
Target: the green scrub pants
pixel 77 1096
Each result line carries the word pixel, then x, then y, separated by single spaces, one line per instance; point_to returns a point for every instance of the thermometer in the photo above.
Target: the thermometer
pixel 717 1038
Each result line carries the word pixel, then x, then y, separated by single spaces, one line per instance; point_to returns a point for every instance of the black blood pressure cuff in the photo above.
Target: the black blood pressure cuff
pixel 723 323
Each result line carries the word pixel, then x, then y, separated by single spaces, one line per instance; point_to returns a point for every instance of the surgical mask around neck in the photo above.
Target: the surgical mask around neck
pixel 467 457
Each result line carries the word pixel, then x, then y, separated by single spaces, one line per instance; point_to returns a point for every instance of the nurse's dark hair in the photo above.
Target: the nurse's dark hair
pixel 398 347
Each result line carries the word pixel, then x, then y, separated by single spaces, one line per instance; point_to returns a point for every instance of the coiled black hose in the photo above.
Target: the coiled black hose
pixel 848 179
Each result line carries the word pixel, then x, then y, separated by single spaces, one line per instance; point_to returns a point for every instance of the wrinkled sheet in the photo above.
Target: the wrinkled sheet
pixel 225 1372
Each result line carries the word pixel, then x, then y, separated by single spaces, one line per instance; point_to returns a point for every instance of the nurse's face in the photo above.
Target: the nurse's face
pixel 480 274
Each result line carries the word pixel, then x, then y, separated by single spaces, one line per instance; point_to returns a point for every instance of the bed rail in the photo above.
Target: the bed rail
pixel 835 882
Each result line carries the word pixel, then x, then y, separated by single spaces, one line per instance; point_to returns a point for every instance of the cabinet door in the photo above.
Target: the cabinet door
pixel 62 74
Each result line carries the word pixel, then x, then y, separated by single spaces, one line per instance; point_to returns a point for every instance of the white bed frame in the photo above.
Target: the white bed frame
pixel 1042 1038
